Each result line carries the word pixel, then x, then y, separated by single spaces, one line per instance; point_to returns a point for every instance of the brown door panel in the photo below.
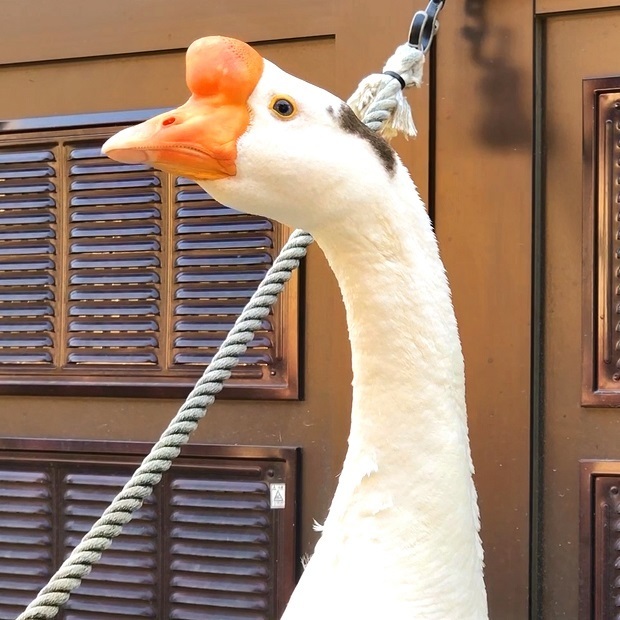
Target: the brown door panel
pixel 572 432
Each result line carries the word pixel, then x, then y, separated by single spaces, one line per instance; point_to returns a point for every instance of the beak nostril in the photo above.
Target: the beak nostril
pixel 169 121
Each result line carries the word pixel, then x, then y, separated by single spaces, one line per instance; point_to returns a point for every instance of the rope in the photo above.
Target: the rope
pixel 89 550
pixel 159 459
pixel 379 98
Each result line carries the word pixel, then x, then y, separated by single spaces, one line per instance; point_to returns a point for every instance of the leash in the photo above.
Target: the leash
pixel 379 98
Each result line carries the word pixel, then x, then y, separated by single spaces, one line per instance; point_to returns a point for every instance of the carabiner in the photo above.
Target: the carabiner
pixel 424 26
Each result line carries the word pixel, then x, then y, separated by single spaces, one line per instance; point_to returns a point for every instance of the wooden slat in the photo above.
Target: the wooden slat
pixel 562 6
pixel 222 255
pixel 121 27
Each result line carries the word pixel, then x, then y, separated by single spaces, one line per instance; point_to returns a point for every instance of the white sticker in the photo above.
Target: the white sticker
pixel 277 495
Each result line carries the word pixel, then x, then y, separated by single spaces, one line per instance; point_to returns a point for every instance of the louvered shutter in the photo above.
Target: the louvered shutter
pixel 26 535
pixel 221 536
pixel 116 276
pixel 115 261
pixel 205 545
pixel 28 254
pixel 220 258
pixel 123 584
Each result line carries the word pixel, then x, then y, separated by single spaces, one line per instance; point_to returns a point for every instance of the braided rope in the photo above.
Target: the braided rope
pixel 81 560
pixel 379 99
pixel 68 577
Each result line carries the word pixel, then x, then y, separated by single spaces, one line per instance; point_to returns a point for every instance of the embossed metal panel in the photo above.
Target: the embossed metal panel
pixel 206 544
pixel 600 540
pixel 119 276
pixel 601 312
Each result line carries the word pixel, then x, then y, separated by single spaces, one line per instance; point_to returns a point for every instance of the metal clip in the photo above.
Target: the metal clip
pixel 424 26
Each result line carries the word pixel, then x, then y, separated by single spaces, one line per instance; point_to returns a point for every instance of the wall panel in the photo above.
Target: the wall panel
pixel 62 29
pixel 483 209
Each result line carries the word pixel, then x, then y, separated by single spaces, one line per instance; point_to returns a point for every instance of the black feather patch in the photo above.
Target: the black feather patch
pixel 351 124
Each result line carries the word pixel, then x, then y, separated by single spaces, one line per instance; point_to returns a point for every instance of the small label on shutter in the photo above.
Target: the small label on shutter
pixel 277 495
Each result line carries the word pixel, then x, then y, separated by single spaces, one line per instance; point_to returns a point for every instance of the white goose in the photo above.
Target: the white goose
pixel 401 539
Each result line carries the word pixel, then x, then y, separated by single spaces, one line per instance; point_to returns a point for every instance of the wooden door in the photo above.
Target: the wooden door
pixel 525 178
pixel 578 438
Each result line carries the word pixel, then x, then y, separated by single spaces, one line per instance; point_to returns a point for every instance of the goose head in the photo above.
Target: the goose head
pixel 261 140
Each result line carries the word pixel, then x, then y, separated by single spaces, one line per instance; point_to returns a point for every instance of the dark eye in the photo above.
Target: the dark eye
pixel 283 107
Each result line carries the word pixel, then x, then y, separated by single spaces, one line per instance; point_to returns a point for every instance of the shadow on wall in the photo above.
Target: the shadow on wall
pixel 504 122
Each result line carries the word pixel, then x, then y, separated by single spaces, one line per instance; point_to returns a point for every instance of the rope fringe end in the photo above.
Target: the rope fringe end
pixel 380 99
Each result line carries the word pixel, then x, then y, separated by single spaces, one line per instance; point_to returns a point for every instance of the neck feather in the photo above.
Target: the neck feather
pixel 407 359
pixel 407 479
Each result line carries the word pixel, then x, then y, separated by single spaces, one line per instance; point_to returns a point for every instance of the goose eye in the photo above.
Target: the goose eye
pixel 283 107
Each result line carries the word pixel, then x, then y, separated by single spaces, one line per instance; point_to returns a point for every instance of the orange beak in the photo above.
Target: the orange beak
pixel 199 139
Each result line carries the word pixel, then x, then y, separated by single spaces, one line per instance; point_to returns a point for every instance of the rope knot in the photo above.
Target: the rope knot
pixel 379 98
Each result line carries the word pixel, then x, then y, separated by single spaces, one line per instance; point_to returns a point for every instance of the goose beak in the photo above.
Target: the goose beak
pixel 199 139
